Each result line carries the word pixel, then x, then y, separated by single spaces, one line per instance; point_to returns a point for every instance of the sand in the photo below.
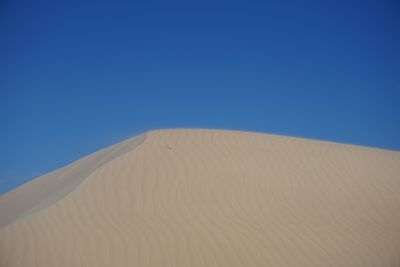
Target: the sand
pixel 209 198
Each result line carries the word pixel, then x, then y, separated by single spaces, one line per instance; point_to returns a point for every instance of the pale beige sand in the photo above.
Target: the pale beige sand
pixel 209 198
pixel 53 186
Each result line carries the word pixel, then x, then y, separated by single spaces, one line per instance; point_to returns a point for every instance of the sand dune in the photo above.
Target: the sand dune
pixel 209 198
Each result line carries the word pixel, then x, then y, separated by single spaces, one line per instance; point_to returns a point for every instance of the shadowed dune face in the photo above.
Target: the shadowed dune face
pixel 53 186
pixel 210 198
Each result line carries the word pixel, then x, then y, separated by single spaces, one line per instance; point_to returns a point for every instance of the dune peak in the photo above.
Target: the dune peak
pixel 191 197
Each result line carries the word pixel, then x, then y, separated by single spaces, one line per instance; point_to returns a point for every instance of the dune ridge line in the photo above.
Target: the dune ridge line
pixel 51 187
pixel 219 198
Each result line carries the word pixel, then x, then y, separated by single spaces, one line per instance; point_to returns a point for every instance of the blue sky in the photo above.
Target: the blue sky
pixel 77 76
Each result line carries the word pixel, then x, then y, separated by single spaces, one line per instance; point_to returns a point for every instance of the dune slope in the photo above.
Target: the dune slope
pixel 53 186
pixel 209 198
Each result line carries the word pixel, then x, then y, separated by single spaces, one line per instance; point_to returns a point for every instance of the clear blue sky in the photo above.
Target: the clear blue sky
pixel 77 76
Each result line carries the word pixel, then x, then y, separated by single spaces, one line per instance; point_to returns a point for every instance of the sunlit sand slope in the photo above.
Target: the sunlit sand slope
pixel 53 186
pixel 210 198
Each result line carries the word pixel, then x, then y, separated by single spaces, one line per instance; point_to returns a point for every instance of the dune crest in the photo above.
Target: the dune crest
pixel 51 187
pixel 209 198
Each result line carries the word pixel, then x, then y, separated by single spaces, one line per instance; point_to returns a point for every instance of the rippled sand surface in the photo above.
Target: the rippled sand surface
pixel 209 198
